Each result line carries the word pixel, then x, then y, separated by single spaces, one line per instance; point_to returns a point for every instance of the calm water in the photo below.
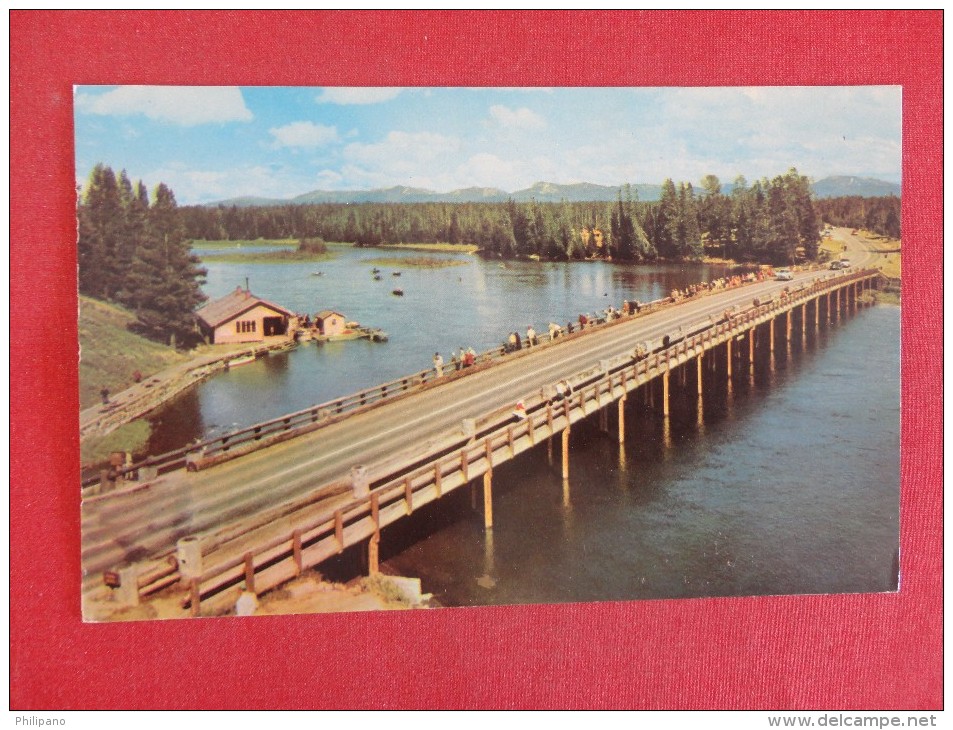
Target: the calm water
pixel 476 304
pixel 789 484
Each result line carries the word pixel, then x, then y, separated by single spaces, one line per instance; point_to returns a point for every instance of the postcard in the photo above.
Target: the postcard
pixel 372 348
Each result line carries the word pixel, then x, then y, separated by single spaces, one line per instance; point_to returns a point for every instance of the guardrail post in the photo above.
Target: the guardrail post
pixel 339 530
pixel 128 591
pixel 195 597
pixel 296 550
pixel 360 481
pixel 250 572
pixel 189 557
pixel 373 554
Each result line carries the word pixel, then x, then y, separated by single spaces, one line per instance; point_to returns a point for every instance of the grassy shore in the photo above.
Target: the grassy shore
pixel 269 257
pixel 109 355
pixel 416 262
pixel 235 244
pixel 442 247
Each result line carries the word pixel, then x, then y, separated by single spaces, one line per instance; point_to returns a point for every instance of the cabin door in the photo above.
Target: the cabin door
pixel 274 326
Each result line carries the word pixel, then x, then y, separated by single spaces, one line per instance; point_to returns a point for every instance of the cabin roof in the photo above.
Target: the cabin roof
pixel 233 305
pixel 327 313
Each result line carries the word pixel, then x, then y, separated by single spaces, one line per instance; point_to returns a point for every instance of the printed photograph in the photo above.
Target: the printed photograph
pixel 361 349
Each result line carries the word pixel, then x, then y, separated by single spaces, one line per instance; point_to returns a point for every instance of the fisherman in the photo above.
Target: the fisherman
pixel 563 390
pixel 520 410
pixel 531 339
pixel 438 364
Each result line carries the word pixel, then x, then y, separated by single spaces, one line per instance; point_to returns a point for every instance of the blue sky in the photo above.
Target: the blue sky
pixel 212 143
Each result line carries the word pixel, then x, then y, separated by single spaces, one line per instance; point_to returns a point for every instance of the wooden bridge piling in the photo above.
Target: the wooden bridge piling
pixel 700 358
pixel 566 453
pixel 665 387
pixel 488 500
pixel 622 402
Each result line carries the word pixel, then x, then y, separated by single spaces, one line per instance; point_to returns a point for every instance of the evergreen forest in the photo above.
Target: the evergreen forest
pixel 134 249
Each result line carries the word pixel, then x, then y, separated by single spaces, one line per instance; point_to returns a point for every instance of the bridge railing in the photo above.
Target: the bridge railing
pixel 397 489
pixel 210 451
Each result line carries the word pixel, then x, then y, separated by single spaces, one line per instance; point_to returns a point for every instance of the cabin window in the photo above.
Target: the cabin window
pixel 247 325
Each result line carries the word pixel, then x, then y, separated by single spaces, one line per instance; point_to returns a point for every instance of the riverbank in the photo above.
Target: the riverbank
pixel 139 375
pixel 309 593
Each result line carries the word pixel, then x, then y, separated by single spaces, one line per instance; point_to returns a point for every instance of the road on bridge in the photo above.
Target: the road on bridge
pixel 126 529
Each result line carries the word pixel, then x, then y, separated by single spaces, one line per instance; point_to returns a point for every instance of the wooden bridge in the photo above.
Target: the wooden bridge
pixel 254 516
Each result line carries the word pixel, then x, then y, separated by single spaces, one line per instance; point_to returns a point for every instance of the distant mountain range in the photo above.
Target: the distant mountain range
pixel 543 192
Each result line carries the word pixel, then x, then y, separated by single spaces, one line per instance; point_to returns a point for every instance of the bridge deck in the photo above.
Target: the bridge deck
pixel 275 487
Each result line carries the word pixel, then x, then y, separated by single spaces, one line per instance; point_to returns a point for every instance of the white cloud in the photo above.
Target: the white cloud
pixel 303 134
pixel 195 186
pixel 357 94
pixel 403 149
pixel 521 118
pixel 183 105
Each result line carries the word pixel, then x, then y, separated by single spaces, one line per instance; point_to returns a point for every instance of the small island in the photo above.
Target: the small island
pixel 307 250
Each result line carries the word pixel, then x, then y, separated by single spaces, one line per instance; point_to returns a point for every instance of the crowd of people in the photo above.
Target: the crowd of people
pixel 466 357
pixel 725 282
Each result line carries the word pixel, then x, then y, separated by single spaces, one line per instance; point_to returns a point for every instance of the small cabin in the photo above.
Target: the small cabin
pixel 242 317
pixel 329 322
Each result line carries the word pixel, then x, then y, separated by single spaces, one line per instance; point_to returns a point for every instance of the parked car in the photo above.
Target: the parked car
pixel 835 265
pixel 783 275
pixel 845 263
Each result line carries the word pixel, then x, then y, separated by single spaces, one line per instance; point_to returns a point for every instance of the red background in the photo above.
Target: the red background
pixel 822 652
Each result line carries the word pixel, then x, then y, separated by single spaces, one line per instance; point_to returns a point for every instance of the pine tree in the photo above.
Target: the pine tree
pixel 667 222
pixel 690 243
pixel 100 228
pixel 165 276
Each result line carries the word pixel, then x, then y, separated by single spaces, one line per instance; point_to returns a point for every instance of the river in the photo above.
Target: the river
pixel 788 484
